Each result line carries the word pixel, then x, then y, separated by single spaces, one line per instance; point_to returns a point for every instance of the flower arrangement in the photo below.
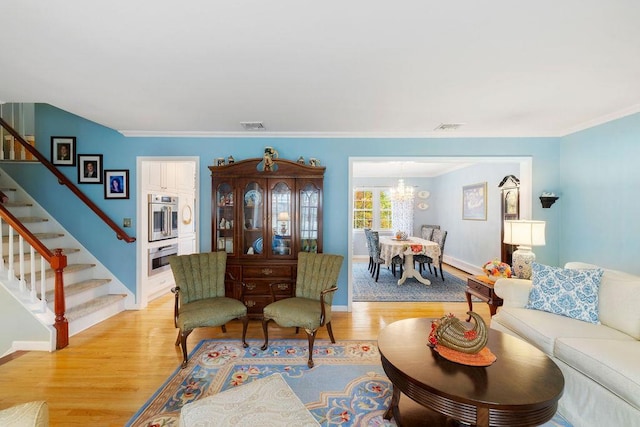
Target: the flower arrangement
pixel 496 269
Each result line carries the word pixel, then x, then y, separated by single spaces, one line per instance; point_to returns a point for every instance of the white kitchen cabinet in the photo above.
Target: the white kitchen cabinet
pixel 160 176
pixel 185 177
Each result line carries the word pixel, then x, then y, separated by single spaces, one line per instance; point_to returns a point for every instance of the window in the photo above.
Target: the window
pixel 372 208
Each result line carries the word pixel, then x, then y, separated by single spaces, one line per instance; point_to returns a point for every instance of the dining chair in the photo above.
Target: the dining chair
pixel 316 280
pixel 367 236
pixel 426 232
pixel 439 237
pixel 200 296
pixel 375 254
pixel 399 261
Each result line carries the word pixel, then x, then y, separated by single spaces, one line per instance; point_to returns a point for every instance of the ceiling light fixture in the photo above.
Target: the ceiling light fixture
pixel 250 126
pixel 449 126
pixel 402 192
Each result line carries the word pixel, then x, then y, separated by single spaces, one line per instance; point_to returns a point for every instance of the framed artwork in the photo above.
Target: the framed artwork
pixel 90 168
pixel 474 202
pixel 63 150
pixel 116 184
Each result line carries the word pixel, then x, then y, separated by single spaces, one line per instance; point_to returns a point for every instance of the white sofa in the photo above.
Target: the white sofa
pixel 600 362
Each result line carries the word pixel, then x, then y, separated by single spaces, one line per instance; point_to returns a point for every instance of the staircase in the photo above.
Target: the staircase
pixel 92 293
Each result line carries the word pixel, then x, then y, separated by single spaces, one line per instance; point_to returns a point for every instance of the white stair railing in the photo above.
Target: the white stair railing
pixel 27 291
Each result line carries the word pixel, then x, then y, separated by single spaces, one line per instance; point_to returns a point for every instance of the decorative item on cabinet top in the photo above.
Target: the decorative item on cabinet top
pixel 254 167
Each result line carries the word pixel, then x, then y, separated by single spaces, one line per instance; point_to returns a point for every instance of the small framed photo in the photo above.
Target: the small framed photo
pixel 116 184
pixel 90 168
pixel 63 150
pixel 474 202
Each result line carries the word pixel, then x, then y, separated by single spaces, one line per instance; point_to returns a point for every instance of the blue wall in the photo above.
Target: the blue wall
pixel 581 168
pixel 600 195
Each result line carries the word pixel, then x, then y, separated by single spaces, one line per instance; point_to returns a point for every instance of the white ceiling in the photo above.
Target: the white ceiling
pixel 326 68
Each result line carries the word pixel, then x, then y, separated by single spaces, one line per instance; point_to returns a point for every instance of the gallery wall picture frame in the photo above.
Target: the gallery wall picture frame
pixel 90 168
pixel 63 150
pixel 474 202
pixel 116 184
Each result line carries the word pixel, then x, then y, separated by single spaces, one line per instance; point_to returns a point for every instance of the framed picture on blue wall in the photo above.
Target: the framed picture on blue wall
pixel 63 150
pixel 474 202
pixel 116 184
pixel 90 168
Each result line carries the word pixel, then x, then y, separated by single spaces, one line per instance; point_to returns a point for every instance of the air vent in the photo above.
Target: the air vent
pixel 449 126
pixel 252 125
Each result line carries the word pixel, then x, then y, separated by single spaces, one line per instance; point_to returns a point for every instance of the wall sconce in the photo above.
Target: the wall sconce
pixel 548 199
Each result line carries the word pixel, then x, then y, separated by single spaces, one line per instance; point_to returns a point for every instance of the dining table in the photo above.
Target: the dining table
pixel 406 249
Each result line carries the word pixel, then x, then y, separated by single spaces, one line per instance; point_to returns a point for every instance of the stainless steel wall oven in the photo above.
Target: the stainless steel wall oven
pixel 163 217
pixel 159 258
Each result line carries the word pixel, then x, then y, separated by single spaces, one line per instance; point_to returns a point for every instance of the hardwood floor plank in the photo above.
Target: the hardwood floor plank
pixel 110 370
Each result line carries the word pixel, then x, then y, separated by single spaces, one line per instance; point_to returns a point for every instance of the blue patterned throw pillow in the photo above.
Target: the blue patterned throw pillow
pixel 568 292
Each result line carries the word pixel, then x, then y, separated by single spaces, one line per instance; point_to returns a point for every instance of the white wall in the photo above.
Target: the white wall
pixel 18 324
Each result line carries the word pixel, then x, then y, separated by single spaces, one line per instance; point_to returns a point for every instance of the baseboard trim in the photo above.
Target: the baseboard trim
pixel 31 346
pixel 462 265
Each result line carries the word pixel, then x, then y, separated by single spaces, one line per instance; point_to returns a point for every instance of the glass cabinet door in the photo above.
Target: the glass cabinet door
pixel 224 219
pixel 281 219
pixel 253 230
pixel 309 214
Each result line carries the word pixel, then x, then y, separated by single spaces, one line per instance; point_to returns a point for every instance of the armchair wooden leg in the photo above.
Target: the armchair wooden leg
pixel 224 328
pixel 265 330
pixel 245 324
pixel 311 336
pixel 330 330
pixel 183 343
pixel 178 337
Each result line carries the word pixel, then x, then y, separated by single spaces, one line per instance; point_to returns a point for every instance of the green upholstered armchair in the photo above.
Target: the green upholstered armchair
pixel 310 309
pixel 200 300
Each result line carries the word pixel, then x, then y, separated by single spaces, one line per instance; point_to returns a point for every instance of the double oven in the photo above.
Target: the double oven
pixel 163 225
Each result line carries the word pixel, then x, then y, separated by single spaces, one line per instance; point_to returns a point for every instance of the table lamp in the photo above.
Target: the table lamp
pixel 525 234
pixel 284 217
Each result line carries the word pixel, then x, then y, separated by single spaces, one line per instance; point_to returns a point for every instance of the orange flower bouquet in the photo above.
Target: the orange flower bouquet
pixel 497 269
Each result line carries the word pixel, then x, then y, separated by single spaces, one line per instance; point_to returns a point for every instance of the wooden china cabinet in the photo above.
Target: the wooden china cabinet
pixel 263 219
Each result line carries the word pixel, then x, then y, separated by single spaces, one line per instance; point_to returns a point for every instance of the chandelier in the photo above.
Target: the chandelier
pixel 401 192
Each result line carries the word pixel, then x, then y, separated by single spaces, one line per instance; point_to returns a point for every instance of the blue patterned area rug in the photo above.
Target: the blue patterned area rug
pixel 346 387
pixel 366 289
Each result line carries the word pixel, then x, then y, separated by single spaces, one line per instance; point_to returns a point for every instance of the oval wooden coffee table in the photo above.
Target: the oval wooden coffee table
pixel 521 388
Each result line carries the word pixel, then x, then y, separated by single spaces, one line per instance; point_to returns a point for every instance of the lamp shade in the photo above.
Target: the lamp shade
pixel 283 216
pixel 524 232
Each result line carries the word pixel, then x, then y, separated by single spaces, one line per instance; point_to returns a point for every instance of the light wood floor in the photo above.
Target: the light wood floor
pixel 110 370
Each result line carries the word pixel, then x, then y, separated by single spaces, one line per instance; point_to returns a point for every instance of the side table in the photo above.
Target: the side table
pixel 482 288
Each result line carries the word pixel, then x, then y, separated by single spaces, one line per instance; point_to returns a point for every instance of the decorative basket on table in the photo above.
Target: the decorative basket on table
pixel 454 341
pixel 496 269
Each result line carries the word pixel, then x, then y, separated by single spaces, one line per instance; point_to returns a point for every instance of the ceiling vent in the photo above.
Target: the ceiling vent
pixel 252 126
pixel 448 126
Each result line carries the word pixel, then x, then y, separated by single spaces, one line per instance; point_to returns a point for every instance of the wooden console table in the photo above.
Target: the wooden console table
pixel 482 289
